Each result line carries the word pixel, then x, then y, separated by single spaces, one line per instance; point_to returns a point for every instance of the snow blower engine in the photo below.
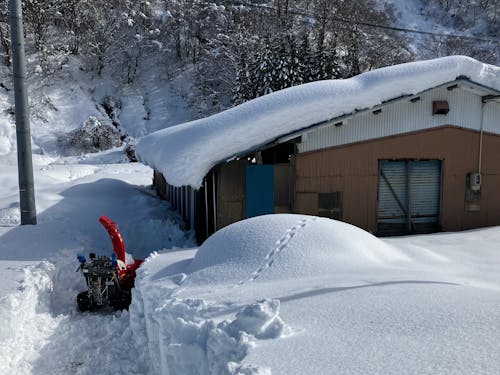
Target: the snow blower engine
pixel 109 280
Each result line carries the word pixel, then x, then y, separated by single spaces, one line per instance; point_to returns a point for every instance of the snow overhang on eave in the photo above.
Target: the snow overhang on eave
pixel 486 93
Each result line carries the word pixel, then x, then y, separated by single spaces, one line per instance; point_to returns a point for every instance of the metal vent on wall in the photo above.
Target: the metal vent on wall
pixel 440 107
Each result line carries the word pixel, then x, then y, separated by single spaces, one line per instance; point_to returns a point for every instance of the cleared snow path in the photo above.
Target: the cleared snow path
pixel 43 333
pixel 35 338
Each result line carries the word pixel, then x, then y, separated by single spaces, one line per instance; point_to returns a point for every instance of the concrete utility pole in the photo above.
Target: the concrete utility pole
pixel 24 161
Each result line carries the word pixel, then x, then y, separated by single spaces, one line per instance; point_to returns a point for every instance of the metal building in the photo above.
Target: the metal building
pixel 415 164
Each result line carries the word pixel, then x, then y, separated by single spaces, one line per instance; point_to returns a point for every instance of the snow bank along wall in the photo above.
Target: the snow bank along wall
pixel 407 166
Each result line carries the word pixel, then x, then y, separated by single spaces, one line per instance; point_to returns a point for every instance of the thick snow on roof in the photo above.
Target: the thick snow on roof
pixel 185 153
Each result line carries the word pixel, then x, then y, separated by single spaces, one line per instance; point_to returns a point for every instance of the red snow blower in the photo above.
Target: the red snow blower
pixel 109 280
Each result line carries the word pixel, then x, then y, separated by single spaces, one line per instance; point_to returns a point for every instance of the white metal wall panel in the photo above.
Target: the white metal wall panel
pixel 405 116
pixel 492 117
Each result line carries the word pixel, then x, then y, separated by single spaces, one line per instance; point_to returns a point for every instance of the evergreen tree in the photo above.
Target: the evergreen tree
pixel 296 66
pixel 283 64
pixel 332 65
pixel 245 87
pixel 352 58
pixel 264 70
pixel 306 61
pixel 319 68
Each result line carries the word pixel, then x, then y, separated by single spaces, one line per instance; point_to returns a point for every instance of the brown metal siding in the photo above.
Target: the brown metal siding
pixel 353 169
pixel 490 192
pixel 231 191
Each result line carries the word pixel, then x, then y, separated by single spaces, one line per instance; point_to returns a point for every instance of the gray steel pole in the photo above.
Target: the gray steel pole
pixel 24 161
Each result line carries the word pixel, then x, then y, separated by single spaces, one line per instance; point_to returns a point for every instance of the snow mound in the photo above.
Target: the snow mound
pixel 185 153
pixel 287 246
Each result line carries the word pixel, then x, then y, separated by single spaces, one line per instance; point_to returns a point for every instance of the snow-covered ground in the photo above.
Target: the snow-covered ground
pixel 282 294
pixel 290 294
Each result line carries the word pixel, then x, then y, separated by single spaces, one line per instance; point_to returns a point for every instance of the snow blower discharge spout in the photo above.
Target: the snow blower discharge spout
pixel 109 280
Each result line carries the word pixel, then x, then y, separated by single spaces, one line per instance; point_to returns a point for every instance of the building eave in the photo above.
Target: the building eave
pixel 489 93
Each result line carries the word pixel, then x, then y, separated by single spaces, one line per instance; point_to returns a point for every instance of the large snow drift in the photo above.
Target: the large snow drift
pixel 295 294
pixel 184 335
pixel 292 245
pixel 186 152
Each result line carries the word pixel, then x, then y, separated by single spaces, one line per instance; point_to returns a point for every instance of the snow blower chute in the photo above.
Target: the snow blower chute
pixel 109 280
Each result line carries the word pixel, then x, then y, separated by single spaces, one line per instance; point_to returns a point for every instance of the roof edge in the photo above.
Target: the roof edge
pixel 286 137
pixel 346 116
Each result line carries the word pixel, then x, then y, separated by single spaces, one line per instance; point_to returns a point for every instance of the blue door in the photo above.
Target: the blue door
pixel 259 190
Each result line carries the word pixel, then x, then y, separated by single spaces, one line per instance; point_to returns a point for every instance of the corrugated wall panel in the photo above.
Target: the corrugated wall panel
pixel 409 196
pixel 392 198
pixel 402 117
pixel 425 191
pixel 492 117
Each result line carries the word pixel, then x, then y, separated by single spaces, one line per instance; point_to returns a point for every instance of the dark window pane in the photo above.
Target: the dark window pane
pixel 330 205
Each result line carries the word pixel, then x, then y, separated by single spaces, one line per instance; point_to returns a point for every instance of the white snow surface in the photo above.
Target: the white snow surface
pixel 295 294
pixel 277 294
pixel 338 247
pixel 186 152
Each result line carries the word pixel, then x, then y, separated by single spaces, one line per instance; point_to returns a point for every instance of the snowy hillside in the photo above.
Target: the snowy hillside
pixel 459 27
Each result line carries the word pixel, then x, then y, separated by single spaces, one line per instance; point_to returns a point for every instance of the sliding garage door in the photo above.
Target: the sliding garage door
pixel 409 197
